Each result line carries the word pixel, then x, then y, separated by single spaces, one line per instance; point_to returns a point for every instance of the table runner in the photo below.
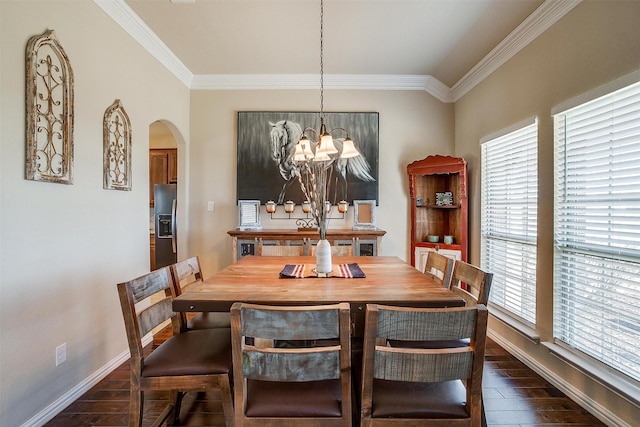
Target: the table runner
pixel 300 271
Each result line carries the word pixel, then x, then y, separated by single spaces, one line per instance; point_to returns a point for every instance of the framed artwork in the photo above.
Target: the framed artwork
pixel 249 215
pixel 266 143
pixel 364 214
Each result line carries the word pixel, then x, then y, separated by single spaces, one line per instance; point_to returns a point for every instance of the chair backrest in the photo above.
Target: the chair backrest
pixel 281 250
pixel 471 283
pixel 186 272
pixel 324 359
pixel 337 250
pixel 140 319
pixel 423 365
pixel 439 267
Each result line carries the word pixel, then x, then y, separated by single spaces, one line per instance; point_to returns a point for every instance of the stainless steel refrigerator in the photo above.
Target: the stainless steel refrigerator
pixel 165 196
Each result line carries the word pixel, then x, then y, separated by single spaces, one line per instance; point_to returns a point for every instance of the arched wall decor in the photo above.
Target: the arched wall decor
pixel 49 102
pixel 117 148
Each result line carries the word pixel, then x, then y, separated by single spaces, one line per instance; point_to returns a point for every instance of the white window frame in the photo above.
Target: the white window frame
pixel 509 219
pixel 597 233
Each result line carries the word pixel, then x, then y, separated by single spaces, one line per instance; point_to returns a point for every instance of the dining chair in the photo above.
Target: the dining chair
pixel 471 283
pixel 185 274
pixel 198 360
pixel 439 267
pixel 408 386
pixel 280 250
pixel 337 250
pixel 291 386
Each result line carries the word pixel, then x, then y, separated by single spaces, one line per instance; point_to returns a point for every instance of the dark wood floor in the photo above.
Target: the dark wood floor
pixel 514 395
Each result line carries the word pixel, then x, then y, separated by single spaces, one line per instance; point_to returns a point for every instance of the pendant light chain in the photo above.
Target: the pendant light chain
pixel 321 60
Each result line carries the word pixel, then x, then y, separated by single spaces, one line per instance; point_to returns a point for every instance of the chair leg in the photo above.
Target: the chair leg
pixel 483 419
pixel 136 403
pixel 227 400
pixel 176 397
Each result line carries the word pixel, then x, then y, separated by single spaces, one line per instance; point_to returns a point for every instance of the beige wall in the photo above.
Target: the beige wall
pixel 412 126
pixel 596 43
pixel 64 247
pixel 161 136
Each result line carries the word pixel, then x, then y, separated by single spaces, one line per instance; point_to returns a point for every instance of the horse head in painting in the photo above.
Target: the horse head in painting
pixel 284 136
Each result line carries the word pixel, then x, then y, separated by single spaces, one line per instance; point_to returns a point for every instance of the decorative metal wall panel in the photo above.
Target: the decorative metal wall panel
pixel 49 102
pixel 117 148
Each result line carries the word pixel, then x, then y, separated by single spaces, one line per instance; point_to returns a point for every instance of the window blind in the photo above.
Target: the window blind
pixel 597 229
pixel 509 217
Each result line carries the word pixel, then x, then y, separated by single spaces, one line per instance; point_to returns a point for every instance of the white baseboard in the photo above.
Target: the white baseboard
pixel 72 395
pixel 597 410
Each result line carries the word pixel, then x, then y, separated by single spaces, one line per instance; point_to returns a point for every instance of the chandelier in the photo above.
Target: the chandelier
pixel 315 168
pixel 325 147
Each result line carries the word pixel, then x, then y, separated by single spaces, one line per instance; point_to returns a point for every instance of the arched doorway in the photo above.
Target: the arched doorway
pixel 165 188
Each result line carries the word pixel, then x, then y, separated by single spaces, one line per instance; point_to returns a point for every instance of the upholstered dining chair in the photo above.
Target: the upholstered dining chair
pixel 280 250
pixel 291 386
pixel 184 274
pixel 408 386
pixel 471 283
pixel 188 361
pixel 439 267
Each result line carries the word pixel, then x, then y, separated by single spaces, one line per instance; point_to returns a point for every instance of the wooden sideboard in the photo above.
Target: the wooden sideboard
pixel 364 242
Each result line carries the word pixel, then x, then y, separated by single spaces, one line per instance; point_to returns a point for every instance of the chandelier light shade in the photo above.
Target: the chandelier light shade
pixel 315 169
pixel 348 149
pixel 326 140
pixel 303 150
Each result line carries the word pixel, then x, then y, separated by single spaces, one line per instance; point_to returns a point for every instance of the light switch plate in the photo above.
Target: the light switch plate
pixel 61 353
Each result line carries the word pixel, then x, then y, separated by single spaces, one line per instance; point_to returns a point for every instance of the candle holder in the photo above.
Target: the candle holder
pixel 305 222
pixel 289 207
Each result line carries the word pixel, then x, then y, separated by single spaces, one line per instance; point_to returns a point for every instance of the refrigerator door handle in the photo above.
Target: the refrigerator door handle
pixel 173 227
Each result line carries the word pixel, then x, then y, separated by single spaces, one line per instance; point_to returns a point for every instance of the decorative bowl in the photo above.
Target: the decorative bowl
pixel 432 239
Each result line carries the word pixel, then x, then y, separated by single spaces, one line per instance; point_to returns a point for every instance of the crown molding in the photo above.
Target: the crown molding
pixel 428 84
pixel 549 12
pixel 537 23
pixel 120 12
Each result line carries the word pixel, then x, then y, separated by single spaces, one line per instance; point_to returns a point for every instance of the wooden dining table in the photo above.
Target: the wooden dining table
pixel 256 279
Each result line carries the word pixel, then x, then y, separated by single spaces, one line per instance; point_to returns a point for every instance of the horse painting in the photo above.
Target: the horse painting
pixel 285 134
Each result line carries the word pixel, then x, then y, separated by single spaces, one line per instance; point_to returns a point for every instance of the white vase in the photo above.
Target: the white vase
pixel 323 257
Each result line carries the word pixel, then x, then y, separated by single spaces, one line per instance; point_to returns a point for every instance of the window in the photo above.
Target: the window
pixel 597 229
pixel 509 219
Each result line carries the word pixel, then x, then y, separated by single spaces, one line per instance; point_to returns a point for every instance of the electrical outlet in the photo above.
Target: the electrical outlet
pixel 210 206
pixel 61 353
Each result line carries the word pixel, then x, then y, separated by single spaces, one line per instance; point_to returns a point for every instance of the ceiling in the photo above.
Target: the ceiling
pixel 439 39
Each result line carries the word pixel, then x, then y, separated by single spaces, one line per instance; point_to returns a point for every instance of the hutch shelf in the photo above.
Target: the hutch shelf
pixel 438 192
